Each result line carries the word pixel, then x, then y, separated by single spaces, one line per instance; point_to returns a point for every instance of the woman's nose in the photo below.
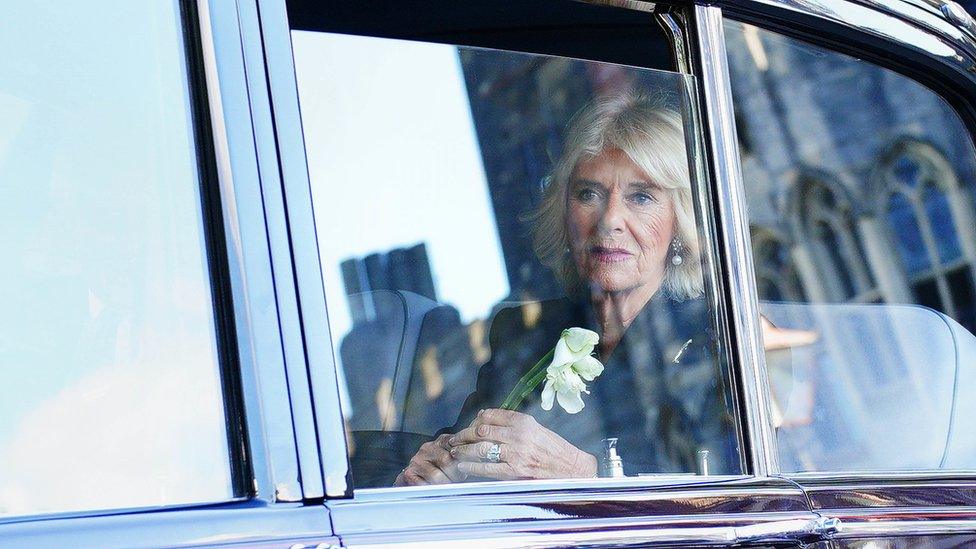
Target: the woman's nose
pixel 613 215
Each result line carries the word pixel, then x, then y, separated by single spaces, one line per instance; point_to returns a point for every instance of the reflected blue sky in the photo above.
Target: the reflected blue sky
pixel 394 161
pixel 108 322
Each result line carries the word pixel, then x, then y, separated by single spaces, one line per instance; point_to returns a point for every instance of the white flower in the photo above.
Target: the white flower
pixel 572 363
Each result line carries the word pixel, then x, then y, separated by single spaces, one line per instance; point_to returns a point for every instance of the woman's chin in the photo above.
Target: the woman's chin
pixel 610 283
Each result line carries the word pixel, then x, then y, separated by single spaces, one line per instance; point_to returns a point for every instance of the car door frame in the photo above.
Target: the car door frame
pixel 274 436
pixel 930 506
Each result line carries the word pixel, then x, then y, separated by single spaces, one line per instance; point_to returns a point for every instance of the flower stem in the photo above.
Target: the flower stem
pixel 527 383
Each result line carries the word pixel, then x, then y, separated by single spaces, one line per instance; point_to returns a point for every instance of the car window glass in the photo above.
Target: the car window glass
pixel 471 205
pixel 111 394
pixel 859 183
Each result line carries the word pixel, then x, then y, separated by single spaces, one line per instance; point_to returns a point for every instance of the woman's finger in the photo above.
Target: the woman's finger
pixel 480 431
pixel 442 441
pixel 497 416
pixel 428 471
pixel 478 451
pixel 498 471
pixel 410 477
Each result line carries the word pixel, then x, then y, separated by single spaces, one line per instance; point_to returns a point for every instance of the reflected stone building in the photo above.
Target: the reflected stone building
pixel 860 189
pixel 859 180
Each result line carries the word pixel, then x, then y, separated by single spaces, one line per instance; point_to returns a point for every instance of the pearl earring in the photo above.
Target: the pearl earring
pixel 676 248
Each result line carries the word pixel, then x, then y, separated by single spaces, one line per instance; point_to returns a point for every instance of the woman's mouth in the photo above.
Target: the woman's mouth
pixel 609 255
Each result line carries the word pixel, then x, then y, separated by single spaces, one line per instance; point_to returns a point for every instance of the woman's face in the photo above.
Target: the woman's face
pixel 620 224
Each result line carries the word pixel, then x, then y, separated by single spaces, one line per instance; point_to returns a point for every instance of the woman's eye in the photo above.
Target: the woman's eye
pixel 586 195
pixel 643 199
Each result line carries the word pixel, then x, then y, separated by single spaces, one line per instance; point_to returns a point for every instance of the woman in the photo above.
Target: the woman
pixel 617 226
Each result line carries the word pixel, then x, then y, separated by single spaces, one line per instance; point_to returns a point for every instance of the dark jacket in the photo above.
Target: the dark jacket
pixel 663 393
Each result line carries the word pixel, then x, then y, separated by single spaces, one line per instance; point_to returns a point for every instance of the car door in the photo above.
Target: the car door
pixel 152 381
pixel 856 158
pixel 415 136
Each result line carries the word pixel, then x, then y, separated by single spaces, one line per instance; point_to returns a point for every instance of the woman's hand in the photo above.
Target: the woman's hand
pixel 527 450
pixel 432 464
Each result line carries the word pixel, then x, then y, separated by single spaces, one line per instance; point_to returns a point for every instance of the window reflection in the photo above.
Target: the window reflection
pixel 911 246
pixel 111 394
pixel 463 225
pixel 939 214
pixel 867 178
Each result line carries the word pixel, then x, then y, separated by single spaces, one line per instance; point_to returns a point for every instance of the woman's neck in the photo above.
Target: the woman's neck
pixel 616 310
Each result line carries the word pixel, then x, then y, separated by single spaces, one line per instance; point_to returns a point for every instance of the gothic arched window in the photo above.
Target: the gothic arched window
pixel 928 215
pixel 826 228
pixel 776 276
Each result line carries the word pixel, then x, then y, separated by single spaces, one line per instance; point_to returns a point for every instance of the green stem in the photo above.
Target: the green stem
pixel 530 386
pixel 527 383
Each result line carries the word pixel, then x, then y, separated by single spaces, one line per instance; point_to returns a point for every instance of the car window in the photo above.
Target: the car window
pixel 111 393
pixel 514 267
pixel 860 190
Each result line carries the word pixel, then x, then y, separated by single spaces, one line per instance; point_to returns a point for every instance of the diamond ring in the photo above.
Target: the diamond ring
pixel 494 453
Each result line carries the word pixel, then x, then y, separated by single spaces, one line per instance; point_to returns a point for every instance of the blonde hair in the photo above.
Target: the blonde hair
pixel 652 136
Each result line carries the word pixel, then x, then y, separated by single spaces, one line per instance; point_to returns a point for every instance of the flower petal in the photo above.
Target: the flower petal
pixel 580 340
pixel 588 368
pixel 548 392
pixel 562 357
pixel 568 380
pixel 571 401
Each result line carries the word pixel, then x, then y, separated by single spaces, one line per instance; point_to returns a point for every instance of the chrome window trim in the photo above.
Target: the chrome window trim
pixel 292 351
pixel 628 535
pixel 221 525
pixel 313 315
pixel 266 399
pixel 925 513
pixel 636 5
pixel 900 22
pixel 892 528
pixel 731 210
pixel 933 15
pixel 733 219
pixel 880 477
pixel 647 485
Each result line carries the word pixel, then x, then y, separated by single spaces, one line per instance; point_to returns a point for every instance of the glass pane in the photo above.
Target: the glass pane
pixel 471 205
pixel 111 394
pixel 962 283
pixel 877 379
pixel 825 235
pixel 907 171
pixel 908 237
pixel 939 214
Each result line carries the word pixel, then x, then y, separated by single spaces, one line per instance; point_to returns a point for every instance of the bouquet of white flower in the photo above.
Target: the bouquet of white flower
pixel 564 369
